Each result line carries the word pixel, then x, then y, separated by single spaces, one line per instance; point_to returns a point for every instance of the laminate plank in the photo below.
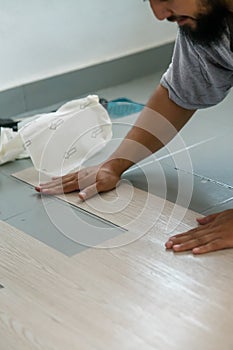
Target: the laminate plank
pixel 134 210
pixel 137 296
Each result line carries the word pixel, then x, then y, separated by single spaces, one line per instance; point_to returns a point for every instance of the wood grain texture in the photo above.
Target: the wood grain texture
pixel 134 210
pixel 137 296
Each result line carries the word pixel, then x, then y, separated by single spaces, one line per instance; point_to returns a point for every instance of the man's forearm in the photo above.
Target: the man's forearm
pixel 157 124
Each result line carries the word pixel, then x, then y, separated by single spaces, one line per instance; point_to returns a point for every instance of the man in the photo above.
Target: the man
pixel 201 75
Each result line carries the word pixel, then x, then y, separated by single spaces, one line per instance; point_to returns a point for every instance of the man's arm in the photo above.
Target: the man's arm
pixel 158 123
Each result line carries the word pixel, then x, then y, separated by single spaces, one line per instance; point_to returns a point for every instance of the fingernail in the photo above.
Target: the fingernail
pixel 177 246
pixel 168 244
pixel 83 195
pixel 196 250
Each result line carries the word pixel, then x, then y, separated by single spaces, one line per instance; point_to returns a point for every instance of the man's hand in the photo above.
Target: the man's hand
pixel 88 182
pixel 214 233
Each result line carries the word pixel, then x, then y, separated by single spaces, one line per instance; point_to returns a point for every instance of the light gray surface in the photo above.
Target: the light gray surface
pixel 205 194
pixel 224 205
pixel 50 223
pixel 12 102
pixel 16 197
pixel 52 91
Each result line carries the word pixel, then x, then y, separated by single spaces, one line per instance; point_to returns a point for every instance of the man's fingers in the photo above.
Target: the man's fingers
pixel 193 242
pixel 50 185
pixel 59 186
pixel 214 233
pixel 206 219
pixel 169 244
pixel 65 184
pixel 182 237
pixel 191 239
pixel 191 234
pixel 217 244
pixel 88 192
pixel 58 181
pixel 86 181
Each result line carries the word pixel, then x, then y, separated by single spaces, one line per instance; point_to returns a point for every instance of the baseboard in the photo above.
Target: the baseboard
pixel 49 92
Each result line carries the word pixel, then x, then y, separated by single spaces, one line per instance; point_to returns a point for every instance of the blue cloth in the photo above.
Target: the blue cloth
pixel 121 107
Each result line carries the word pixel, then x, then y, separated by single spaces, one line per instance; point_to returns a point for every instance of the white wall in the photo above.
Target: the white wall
pixel 43 38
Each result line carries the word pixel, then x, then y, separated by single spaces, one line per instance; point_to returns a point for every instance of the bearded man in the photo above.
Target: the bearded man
pixel 200 76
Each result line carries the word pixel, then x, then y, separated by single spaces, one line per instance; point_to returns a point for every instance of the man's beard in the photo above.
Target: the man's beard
pixel 210 27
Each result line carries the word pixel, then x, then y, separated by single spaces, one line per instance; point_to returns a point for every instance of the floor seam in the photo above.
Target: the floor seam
pixel 207 179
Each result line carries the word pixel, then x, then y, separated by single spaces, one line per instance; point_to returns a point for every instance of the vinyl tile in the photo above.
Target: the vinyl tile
pixel 55 223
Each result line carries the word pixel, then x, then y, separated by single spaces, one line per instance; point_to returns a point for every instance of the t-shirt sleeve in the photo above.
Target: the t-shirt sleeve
pixel 195 79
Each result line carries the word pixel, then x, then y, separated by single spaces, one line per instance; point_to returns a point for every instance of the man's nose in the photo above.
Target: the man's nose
pixel 161 11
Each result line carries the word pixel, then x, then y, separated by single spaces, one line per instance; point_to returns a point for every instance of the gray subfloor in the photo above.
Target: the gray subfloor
pixel 208 138
pixel 207 179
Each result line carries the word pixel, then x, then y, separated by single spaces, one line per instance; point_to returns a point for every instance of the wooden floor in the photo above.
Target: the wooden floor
pixel 134 210
pixel 134 296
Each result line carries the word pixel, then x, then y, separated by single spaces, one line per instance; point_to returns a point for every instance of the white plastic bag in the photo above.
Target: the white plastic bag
pixel 11 146
pixel 60 142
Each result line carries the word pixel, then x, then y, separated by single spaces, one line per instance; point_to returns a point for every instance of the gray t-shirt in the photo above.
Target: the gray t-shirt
pixel 199 76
